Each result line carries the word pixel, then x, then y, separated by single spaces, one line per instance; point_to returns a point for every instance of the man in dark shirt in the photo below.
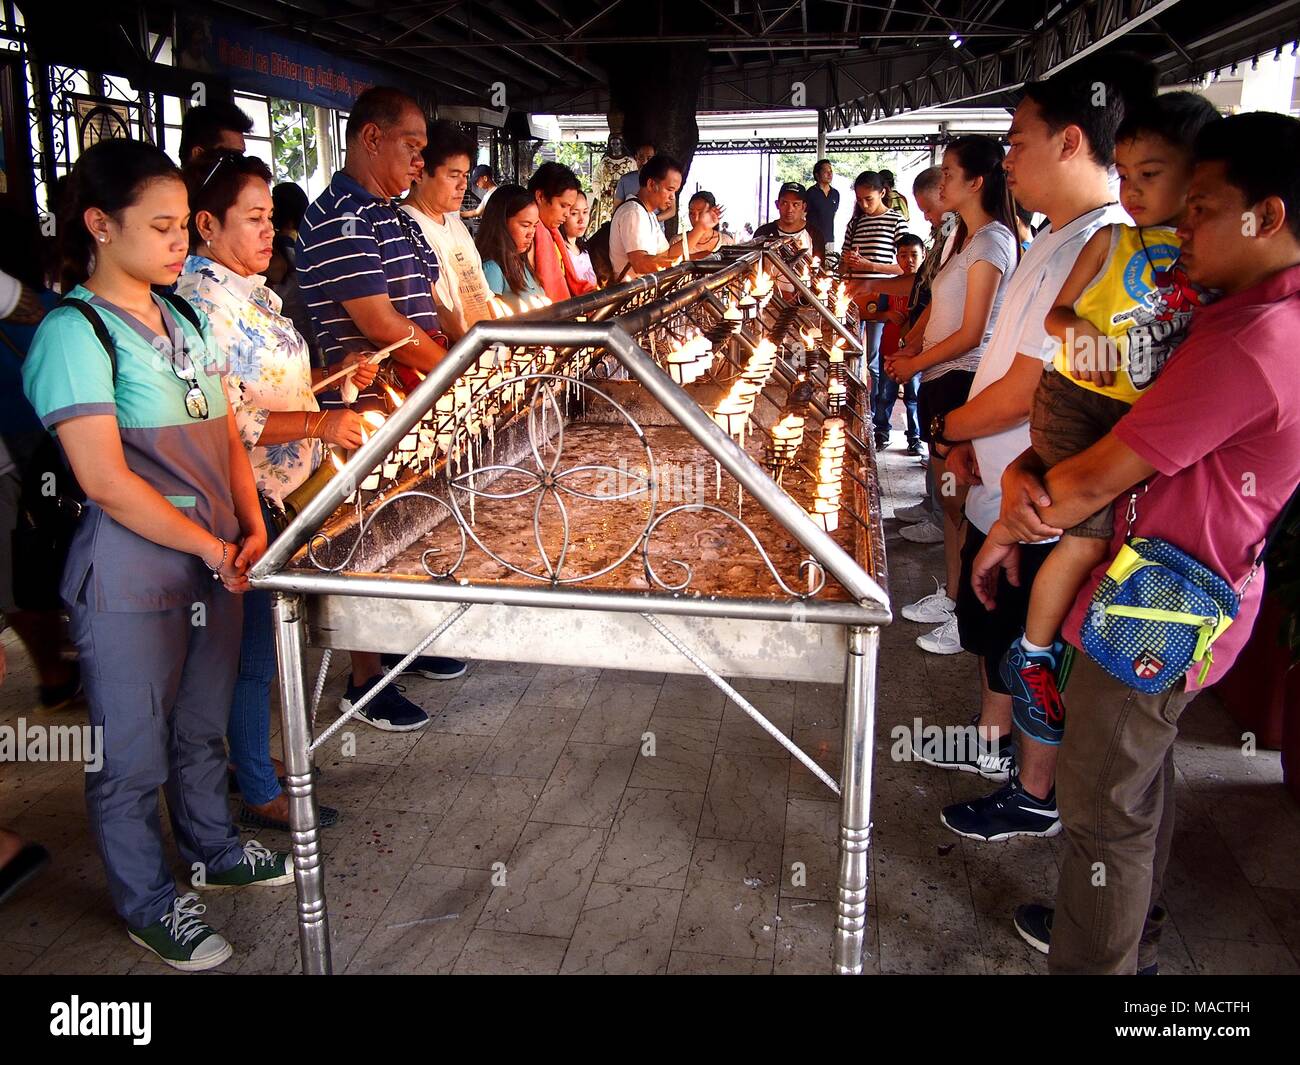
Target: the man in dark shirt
pixel 793 220
pixel 219 126
pixel 823 201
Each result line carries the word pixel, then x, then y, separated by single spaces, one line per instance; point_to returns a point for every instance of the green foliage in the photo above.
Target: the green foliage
pixel 576 155
pixel 848 164
pixel 293 139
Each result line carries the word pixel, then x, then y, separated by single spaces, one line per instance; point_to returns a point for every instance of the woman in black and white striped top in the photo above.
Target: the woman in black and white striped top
pixel 868 251
pixel 871 237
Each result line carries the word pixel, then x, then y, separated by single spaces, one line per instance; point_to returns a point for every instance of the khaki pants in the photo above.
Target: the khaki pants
pixel 1115 791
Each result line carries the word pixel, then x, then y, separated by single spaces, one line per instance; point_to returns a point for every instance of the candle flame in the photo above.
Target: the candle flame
pixel 393 395
pixel 373 418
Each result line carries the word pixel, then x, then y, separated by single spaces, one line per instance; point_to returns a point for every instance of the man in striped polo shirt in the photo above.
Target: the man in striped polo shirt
pixel 367 275
pixel 366 271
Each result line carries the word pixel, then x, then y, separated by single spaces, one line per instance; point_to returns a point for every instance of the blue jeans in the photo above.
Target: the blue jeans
pixel 884 394
pixel 250 708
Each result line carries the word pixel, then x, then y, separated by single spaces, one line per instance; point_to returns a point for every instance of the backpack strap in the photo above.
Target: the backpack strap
pixel 97 324
pixel 636 200
pixel 184 308
pixel 1278 524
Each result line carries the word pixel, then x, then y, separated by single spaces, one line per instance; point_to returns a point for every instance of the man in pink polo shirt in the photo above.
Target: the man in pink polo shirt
pixel 1217 441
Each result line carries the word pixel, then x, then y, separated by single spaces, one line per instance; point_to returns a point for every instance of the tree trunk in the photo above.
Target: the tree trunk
pixel 656 89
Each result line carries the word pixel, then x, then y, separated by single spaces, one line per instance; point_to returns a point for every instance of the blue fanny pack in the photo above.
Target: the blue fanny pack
pixel 1158 612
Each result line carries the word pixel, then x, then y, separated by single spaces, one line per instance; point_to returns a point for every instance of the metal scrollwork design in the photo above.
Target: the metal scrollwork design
pixel 323 541
pixel 549 481
pixel 767 561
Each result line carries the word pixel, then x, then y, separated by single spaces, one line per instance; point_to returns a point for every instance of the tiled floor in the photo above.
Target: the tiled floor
pixel 525 831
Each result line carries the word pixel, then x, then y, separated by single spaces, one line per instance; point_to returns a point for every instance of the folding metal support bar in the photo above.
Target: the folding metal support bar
pixel 743 703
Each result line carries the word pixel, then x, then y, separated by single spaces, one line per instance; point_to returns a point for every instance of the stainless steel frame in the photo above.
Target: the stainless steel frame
pixel 861 617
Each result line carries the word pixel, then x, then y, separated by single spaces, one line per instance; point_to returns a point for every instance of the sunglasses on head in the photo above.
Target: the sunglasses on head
pixel 224 156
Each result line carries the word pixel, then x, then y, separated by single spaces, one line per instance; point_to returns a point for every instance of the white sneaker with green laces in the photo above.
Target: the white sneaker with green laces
pixel 182 940
pixel 258 867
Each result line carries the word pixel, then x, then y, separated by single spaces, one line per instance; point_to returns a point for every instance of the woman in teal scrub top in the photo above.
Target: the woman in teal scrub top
pixel 171 525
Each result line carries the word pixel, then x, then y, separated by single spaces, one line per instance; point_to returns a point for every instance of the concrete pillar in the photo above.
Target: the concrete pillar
pixel 327 158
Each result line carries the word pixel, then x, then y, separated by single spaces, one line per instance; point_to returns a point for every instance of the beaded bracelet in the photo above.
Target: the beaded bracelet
pixel 216 570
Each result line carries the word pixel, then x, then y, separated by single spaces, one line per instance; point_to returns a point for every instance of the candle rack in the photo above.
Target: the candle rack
pixel 327 569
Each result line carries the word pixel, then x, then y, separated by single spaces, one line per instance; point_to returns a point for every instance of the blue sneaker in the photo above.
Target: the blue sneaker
pixel 430 666
pixel 390 710
pixel 1009 811
pixel 1034 679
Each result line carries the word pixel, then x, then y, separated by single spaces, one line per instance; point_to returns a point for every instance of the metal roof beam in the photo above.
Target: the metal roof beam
pixel 374 45
pixel 1079 32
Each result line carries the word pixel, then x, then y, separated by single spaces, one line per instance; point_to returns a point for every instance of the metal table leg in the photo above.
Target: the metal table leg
pixel 855 798
pixel 309 872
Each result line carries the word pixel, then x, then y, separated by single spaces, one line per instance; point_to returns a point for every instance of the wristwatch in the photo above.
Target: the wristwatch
pixel 936 432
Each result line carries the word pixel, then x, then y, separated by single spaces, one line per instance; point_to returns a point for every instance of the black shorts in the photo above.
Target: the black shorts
pixel 942 395
pixel 988 633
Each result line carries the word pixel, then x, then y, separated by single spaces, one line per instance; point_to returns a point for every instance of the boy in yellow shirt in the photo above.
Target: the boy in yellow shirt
pixel 1120 314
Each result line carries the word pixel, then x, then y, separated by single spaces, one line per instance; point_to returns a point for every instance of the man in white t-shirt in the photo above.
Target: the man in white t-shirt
pixel 637 244
pixel 1062 145
pixel 461 291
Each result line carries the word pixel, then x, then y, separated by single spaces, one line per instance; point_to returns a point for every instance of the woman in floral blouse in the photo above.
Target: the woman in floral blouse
pixel 268 378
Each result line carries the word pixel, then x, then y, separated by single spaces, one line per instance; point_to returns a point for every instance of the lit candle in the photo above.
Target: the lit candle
pixel 828 521
pixel 835 394
pixel 731 417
